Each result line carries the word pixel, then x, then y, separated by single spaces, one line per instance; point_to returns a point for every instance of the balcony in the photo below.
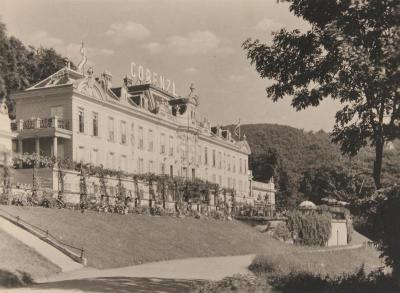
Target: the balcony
pixel 41 127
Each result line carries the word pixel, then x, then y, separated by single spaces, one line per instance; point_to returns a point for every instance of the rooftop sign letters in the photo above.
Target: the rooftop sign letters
pixel 145 75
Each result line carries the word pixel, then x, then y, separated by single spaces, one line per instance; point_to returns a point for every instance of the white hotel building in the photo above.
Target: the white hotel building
pixel 137 128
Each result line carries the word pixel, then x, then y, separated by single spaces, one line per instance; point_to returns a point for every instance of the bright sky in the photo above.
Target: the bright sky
pixel 187 41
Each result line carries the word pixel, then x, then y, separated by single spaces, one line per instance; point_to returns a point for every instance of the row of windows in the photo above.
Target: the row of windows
pixel 119 162
pixel 219 160
pixel 123 139
pixel 113 161
pixel 227 162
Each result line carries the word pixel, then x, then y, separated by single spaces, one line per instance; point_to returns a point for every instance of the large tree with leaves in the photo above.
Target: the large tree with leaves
pixel 21 66
pixel 350 54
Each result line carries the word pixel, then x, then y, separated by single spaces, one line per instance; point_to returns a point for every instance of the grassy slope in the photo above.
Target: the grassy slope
pixel 114 240
pixel 334 263
pixel 16 257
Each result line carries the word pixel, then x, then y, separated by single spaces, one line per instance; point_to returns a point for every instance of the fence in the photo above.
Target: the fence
pixel 76 253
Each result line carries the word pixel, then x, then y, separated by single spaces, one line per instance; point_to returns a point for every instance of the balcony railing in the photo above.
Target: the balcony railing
pixel 40 123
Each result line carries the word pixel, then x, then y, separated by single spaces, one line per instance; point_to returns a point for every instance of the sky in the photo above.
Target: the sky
pixel 187 41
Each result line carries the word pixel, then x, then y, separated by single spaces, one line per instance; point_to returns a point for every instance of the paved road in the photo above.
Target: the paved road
pixel 173 276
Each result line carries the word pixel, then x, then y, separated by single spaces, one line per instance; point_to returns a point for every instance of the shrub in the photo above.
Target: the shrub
pixel 359 282
pixel 236 283
pixel 310 228
pixel 218 215
pixel 282 232
pixel 141 210
pixel 383 219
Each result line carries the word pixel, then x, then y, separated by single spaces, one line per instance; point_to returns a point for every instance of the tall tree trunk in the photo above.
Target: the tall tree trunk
pixel 378 163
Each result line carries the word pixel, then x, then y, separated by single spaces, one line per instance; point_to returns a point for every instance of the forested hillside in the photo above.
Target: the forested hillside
pixel 306 165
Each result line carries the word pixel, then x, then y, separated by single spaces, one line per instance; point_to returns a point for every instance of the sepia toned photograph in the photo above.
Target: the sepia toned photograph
pixel 199 146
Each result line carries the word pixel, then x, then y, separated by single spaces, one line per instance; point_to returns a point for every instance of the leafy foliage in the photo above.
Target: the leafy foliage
pixel 359 282
pixel 296 155
pixel 21 66
pixel 383 218
pixel 349 54
pixel 310 228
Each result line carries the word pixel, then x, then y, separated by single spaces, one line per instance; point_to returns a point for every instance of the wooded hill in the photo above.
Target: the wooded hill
pixel 299 159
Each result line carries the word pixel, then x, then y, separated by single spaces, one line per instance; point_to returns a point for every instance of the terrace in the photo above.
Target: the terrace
pixel 42 135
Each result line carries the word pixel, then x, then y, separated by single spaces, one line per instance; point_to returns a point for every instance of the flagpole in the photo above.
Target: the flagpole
pixel 239 128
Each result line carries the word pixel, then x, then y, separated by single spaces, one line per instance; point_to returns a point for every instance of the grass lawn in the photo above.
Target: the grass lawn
pixel 112 240
pixel 19 262
pixel 334 263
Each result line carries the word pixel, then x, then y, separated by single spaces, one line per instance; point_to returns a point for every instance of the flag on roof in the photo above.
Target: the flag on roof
pixel 237 129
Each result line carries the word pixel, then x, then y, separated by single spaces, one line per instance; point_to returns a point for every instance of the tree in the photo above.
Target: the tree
pixel 328 182
pixel 264 165
pixel 349 54
pixel 21 66
pixel 383 217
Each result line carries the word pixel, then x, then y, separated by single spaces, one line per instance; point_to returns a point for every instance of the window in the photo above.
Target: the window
pixel 140 165
pixel 95 124
pixel 110 129
pixel 123 132
pixel 123 163
pixel 133 138
pixel 240 186
pixel 81 154
pixel 95 157
pixel 81 119
pixel 229 162
pixel 151 167
pixel 240 166
pixel 171 170
pixel 111 160
pixel 219 160
pixel 234 164
pixel 141 141
pixel 199 155
pixel 184 172
pixel 245 166
pixel 213 159
pixel 162 168
pixel 171 145
pixel 162 143
pixel 214 178
pixel 206 156
pixel 151 140
pixel 220 180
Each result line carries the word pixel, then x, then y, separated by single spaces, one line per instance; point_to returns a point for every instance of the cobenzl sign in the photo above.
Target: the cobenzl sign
pixel 145 75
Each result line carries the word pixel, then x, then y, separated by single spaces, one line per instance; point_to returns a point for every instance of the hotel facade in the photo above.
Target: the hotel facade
pixel 138 127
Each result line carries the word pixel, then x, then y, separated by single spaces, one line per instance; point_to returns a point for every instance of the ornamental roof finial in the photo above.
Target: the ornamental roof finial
pixel 192 88
pixel 67 63
pixel 90 71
